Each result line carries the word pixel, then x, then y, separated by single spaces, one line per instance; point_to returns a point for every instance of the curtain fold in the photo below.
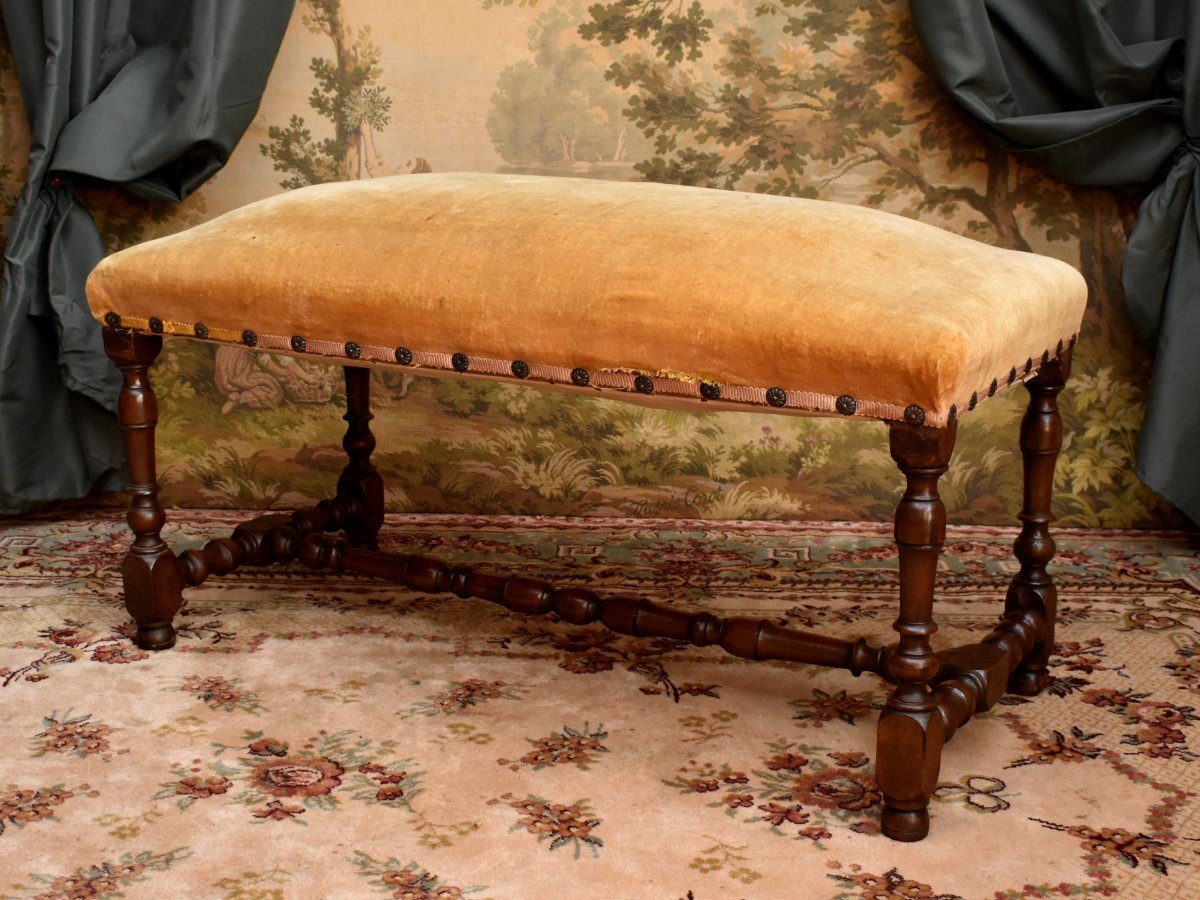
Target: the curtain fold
pixel 149 95
pixel 1105 93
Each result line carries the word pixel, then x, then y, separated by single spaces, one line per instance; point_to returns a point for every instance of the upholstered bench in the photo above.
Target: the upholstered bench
pixel 655 294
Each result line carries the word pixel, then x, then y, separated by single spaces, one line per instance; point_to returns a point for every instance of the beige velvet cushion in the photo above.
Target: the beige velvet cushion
pixel 681 285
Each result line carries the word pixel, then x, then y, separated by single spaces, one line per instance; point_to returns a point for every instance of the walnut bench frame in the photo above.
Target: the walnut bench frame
pixel 934 694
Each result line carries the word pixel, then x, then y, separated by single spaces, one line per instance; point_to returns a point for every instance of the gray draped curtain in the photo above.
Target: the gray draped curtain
pixel 1105 93
pixel 146 94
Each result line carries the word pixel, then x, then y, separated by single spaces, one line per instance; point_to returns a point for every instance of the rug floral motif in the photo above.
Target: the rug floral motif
pixel 337 737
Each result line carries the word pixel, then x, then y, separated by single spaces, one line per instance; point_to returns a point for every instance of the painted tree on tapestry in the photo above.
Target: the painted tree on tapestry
pixel 347 95
pixel 560 109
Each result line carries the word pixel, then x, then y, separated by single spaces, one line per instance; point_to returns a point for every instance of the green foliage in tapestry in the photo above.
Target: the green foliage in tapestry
pixel 558 107
pixel 347 95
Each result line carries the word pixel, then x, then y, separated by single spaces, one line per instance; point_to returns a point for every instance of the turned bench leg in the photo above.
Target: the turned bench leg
pixel 151 573
pixel 1033 588
pixel 911 731
pixel 360 480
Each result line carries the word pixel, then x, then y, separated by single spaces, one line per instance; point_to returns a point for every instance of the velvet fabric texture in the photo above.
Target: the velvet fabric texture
pixel 694 284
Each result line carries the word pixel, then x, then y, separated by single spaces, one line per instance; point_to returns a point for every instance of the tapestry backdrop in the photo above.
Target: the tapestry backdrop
pixel 832 100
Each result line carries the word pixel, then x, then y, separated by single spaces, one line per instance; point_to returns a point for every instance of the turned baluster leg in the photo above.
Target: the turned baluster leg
pixel 910 733
pixel 360 480
pixel 1033 588
pixel 153 582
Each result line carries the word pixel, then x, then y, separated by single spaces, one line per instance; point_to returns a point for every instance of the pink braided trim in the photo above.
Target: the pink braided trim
pixel 615 381
pixel 606 379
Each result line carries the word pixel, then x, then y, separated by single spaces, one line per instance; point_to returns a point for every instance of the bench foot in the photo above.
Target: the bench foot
pixel 156 637
pixel 909 759
pixel 906 825
pixel 1028 683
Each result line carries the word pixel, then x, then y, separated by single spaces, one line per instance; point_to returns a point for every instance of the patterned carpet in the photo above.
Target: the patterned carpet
pixel 313 738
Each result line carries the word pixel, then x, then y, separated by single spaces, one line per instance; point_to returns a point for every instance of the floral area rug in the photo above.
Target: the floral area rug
pixel 314 737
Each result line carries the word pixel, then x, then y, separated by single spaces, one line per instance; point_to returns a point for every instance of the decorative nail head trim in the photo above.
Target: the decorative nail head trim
pixel 666 383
